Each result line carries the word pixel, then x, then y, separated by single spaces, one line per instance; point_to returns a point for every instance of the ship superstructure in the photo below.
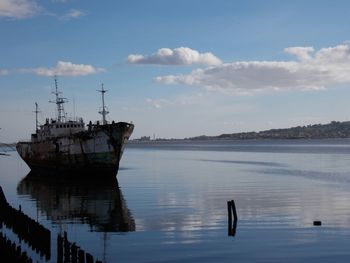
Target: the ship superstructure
pixel 64 144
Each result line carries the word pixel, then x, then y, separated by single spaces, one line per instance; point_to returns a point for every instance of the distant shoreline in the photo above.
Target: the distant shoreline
pixel 291 140
pixel 332 130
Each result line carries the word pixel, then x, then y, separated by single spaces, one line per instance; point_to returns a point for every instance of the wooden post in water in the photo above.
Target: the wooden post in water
pixel 89 258
pixel 66 247
pixel 81 256
pixel 59 249
pixel 231 210
pixel 229 214
pixel 74 252
pixel 2 197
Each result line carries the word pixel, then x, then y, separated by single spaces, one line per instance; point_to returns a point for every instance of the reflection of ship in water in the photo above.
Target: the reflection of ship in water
pixel 79 200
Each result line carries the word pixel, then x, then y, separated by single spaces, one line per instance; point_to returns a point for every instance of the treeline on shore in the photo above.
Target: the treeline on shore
pixel 335 129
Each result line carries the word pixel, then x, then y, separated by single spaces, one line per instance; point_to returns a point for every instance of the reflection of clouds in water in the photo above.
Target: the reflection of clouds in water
pixel 324 197
pixel 190 218
pixel 190 227
pixel 273 164
pixel 183 218
pixel 190 191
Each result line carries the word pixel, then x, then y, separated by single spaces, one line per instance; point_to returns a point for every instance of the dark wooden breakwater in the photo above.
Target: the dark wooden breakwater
pixel 37 237
pixel 10 252
pixel 68 252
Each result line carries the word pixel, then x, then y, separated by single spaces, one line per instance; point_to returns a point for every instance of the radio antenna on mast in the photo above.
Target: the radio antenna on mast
pixel 74 116
pixel 104 111
pixel 61 115
pixel 36 117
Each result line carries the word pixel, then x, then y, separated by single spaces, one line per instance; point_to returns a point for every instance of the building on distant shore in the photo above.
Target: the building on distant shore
pixel 144 138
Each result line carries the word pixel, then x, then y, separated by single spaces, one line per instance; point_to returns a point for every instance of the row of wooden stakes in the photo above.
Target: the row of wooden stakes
pixel 31 232
pixel 36 236
pixel 10 252
pixel 68 252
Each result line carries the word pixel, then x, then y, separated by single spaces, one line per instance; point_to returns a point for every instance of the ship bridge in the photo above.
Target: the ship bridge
pixel 56 128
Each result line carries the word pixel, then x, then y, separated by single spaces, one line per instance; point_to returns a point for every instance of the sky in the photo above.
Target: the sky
pixel 176 69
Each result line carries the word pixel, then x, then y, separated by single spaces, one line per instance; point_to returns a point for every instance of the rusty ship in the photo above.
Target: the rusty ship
pixel 70 146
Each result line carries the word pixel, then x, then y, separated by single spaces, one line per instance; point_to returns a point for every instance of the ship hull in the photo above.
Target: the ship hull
pixel 96 150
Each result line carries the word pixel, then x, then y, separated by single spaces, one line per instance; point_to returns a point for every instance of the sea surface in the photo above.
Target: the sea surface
pixel 169 202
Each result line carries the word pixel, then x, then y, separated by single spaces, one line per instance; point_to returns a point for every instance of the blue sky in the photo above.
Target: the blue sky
pixel 176 68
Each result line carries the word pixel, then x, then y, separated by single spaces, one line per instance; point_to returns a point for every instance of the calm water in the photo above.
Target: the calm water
pixel 170 202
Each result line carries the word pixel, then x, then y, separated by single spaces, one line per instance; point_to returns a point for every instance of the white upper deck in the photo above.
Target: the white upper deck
pixel 55 128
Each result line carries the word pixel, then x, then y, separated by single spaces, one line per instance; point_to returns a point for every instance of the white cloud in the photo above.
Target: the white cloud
pixel 21 9
pixel 179 100
pixel 302 53
pixel 73 14
pixel 311 71
pixel 18 9
pixel 64 68
pixel 177 56
pixel 4 72
pixel 159 103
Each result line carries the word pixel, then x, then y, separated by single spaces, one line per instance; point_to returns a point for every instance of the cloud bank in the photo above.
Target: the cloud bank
pixel 312 70
pixel 64 68
pixel 177 56
pixel 18 9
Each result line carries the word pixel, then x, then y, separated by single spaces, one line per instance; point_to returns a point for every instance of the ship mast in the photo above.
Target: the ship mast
pixel 61 115
pixel 104 111
pixel 36 117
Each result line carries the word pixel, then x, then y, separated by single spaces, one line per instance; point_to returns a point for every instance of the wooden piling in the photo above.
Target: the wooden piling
pixel 66 247
pixel 89 258
pixel 229 214
pixel 74 253
pixel 81 256
pixel 2 197
pixel 59 249
pixel 231 210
